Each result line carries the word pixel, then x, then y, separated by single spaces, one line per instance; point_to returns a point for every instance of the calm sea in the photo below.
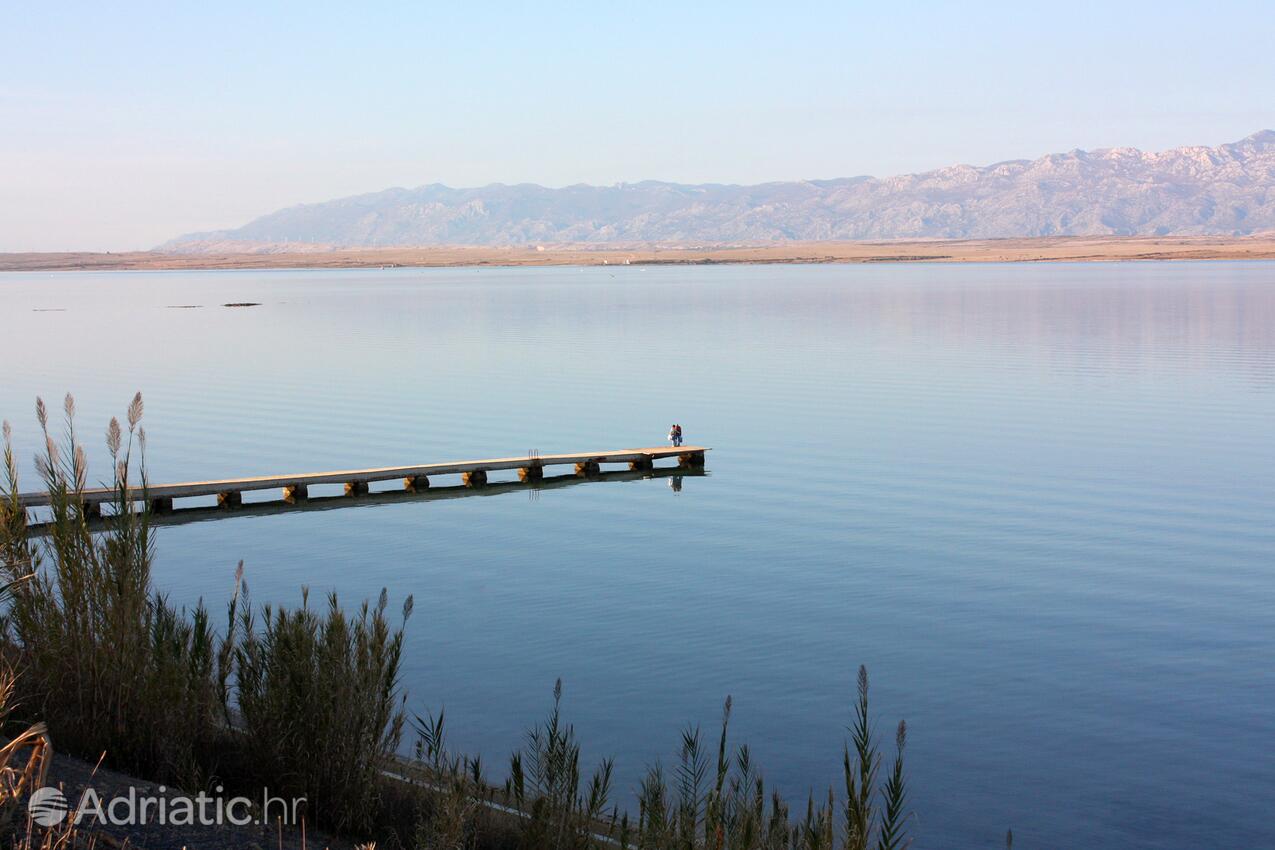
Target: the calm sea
pixel 1035 500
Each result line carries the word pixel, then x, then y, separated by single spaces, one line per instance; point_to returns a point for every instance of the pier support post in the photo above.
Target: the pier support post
pixel 229 499
pixel 295 493
pixel 691 459
pixel 356 488
pixel 416 483
pixel 643 464
pixel 588 468
pixel 533 472
pixel 162 505
pixel 476 478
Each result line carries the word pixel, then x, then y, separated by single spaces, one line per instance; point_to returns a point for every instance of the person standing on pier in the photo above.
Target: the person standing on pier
pixel 675 435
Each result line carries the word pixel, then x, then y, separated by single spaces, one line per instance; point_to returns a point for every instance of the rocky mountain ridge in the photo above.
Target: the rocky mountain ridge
pixel 1224 190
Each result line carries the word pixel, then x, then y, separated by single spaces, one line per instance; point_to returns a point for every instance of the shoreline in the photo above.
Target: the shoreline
pixel 1043 249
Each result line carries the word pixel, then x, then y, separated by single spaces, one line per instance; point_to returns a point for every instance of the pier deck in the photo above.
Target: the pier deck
pixel 473 474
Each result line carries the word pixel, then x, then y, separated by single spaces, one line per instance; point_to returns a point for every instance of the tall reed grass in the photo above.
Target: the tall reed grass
pixel 714 798
pixel 321 704
pixel 104 659
pixel 556 809
pixel 24 759
pixel 718 799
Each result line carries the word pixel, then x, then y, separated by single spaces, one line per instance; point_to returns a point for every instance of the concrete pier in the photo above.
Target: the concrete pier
pixel 691 456
pixel 296 487
pixel 437 491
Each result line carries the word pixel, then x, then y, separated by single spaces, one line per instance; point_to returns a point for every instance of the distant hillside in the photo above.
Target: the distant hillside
pixel 1227 190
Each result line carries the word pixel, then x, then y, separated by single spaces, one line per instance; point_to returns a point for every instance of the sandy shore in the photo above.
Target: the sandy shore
pixel 1060 249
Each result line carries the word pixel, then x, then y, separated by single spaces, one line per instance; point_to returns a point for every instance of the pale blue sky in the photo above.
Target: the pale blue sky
pixel 122 125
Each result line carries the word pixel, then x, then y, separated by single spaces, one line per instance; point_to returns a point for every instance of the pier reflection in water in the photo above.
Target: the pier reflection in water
pixel 340 500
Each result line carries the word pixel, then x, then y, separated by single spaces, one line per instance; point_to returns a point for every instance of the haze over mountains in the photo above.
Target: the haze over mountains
pixel 1226 190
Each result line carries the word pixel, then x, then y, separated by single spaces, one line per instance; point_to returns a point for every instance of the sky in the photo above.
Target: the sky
pixel 123 125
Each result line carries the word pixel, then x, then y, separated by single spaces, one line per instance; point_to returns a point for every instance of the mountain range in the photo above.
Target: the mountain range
pixel 1224 190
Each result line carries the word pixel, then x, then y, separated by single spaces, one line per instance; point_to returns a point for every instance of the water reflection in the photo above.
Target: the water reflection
pixel 271 507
